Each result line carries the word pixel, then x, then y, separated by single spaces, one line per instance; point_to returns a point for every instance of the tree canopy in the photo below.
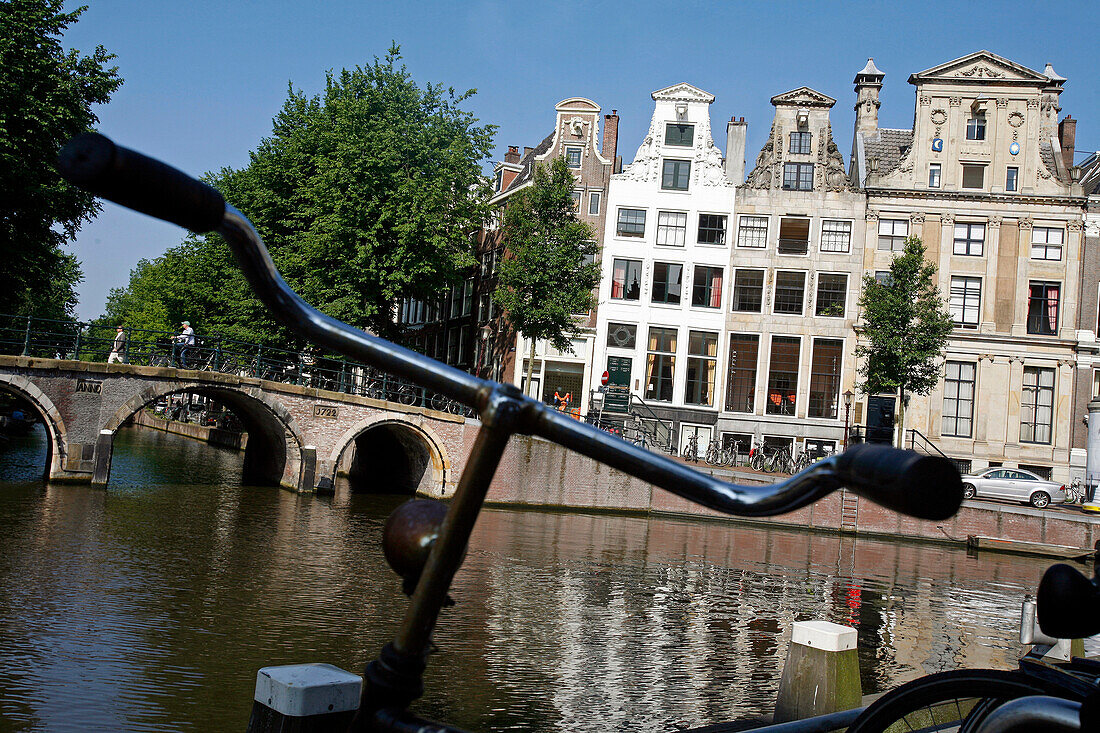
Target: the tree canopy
pixel 46 97
pixel 365 193
pixel 548 273
pixel 905 326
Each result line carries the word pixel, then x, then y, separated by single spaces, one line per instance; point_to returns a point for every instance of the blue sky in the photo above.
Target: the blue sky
pixel 204 79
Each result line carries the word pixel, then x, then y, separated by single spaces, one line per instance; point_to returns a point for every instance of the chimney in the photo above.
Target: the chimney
pixel 1067 134
pixel 527 150
pixel 868 84
pixel 736 130
pixel 610 135
pixel 512 156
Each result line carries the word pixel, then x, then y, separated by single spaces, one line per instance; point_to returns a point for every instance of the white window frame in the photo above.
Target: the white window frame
pixel 821 239
pixel 775 290
pixel 959 301
pixel 970 245
pixel 1041 249
pixel 569 151
pixel 890 229
pixel 594 203
pixel 678 231
pixel 753 226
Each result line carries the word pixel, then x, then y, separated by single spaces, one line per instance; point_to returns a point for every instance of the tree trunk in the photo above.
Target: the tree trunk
pixel 530 370
pixel 901 417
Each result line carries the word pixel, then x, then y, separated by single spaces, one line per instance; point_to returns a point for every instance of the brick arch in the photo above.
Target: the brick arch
pixel 267 421
pixel 436 484
pixel 55 425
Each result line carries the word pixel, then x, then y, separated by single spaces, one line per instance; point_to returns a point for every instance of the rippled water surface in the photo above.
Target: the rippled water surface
pixel 150 606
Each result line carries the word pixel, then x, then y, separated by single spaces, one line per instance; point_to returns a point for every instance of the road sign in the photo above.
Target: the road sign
pixel 605 378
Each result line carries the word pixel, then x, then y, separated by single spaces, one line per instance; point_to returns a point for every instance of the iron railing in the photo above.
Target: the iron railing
pixel 77 341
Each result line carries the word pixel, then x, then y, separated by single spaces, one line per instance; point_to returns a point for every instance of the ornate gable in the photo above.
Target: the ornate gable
pixel 682 92
pixel 980 66
pixel 803 97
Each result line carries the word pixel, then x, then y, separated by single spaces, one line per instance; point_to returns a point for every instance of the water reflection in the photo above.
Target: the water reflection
pixel 151 605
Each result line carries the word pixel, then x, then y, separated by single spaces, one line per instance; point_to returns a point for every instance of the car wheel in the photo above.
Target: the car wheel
pixel 1040 499
pixel 969 492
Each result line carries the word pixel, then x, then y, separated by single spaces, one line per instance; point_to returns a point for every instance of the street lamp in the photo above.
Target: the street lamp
pixel 847 407
pixel 484 332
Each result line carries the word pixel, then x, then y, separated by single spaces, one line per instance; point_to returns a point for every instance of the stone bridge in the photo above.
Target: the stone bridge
pixel 298 437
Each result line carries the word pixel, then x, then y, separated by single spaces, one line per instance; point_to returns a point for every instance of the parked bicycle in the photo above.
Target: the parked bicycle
pixel 691 450
pixel 424 547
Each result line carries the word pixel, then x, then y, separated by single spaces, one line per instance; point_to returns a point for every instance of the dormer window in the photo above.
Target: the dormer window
pixel 975 127
pixel 800 143
pixel 679 134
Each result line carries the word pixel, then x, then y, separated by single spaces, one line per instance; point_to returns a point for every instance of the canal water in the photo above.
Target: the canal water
pixel 150 606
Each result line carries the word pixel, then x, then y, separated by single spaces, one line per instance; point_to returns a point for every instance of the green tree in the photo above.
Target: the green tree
pixel 46 97
pixel 548 272
pixel 364 194
pixel 906 325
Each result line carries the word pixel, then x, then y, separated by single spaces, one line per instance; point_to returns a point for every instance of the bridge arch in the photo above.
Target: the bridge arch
pixel 394 455
pixel 274 451
pixel 57 434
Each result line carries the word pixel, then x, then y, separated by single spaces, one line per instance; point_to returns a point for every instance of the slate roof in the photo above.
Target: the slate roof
pixel 528 162
pixel 1090 174
pixel 889 146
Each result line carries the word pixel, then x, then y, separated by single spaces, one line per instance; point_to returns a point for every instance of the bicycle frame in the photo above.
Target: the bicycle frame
pixel 898 479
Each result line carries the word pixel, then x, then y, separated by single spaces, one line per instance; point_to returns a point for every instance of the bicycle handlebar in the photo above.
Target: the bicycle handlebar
pixel 1068 603
pixel 926 487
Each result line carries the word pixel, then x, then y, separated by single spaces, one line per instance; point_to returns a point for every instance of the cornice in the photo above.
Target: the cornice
pixel 995 198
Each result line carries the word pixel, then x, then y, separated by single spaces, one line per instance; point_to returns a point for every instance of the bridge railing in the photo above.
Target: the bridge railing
pixel 47 338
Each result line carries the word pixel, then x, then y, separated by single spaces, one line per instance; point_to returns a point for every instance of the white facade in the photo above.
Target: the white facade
pixel 666 265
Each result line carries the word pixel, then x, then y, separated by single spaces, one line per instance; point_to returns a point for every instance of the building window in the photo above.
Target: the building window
pixel 832 292
pixel 1037 406
pixel 789 290
pixel 666 282
pixel 631 223
pixel 800 143
pixel 892 234
pixel 622 335
pixel 741 390
pixel 463 342
pixel 825 378
pixel 573 157
pixel 576 196
pixel 1042 308
pixel 483 310
pixel 706 287
pixel 836 236
pixel 594 203
pixel 712 229
pixel 1046 243
pixel 975 128
pixel 969 239
pixel 701 365
pixel 748 290
pixel 675 174
pixel 498 180
pixel 973 176
pixel 671 228
pixel 958 399
pixel 1012 179
pixel 794 236
pixel 626 280
pixel 798 176
pixel 680 135
pixel 660 364
pixel 452 345
pixel 468 297
pixel 884 277
pixel 753 232
pixel 933 175
pixel 783 375
pixel 965 301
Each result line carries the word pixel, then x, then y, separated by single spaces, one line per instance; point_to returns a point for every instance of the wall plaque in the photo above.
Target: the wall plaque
pixel 326 411
pixel 88 387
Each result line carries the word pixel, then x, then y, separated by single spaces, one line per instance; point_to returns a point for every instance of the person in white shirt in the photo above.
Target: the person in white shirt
pixel 186 339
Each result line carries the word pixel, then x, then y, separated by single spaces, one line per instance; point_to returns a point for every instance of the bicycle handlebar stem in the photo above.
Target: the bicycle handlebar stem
pixel 1037 712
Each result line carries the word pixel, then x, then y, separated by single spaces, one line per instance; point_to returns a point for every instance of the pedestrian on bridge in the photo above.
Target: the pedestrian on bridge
pixel 118 350
pixel 186 340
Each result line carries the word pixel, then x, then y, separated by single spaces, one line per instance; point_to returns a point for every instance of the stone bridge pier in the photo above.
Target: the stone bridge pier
pixel 298 437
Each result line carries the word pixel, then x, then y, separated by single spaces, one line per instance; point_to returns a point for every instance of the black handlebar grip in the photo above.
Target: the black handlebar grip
pixel 926 487
pixel 94 163
pixel 1069 603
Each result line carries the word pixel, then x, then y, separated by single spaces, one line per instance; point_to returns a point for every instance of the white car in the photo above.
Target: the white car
pixel 1013 484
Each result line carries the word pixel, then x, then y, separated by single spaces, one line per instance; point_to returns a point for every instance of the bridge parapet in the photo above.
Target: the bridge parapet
pixel 299 436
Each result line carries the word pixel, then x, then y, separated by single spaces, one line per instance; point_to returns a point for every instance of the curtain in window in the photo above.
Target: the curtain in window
pixel 618 279
pixel 1052 308
pixel 715 289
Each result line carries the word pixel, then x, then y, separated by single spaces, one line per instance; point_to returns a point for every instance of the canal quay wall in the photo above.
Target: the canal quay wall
pixel 536 473
pixel 211 435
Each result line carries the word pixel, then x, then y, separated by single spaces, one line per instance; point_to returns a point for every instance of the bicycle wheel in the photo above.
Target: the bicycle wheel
pixel 956 700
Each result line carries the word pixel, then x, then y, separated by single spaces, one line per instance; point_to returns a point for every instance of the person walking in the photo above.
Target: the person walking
pixel 186 340
pixel 118 350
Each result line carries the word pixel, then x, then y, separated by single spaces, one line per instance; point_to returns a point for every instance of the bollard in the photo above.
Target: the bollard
pixel 101 467
pixel 821 674
pixel 1061 650
pixel 304 698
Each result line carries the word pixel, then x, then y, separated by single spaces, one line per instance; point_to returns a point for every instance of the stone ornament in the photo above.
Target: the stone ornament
pixel 954 101
pixel 994 222
pixel 948 219
pixel 872 216
pixel 982 72
pixel 916 217
pixel 1026 222
pixel 1002 102
pixel 938 116
pixel 707 167
pixel 1075 225
pixel 925 100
